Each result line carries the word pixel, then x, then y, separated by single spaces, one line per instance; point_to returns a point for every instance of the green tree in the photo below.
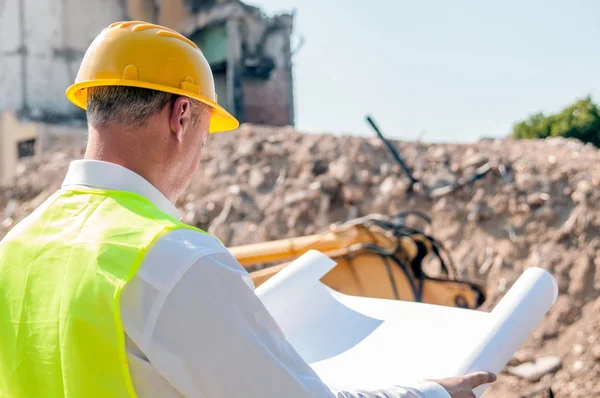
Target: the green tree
pixel 580 120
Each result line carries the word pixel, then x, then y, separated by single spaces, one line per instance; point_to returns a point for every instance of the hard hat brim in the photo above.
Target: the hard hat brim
pixel 220 120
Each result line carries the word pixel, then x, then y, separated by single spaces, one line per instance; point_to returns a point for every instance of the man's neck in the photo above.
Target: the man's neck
pixel 141 162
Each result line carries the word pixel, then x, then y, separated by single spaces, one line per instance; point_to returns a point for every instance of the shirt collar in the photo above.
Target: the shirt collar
pixel 105 175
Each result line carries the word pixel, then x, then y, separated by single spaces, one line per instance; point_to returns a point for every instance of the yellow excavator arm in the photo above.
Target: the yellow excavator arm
pixel 376 256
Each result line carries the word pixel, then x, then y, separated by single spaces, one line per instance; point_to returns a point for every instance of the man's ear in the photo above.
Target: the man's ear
pixel 181 113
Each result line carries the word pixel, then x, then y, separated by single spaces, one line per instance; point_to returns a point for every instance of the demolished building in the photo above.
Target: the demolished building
pixel 249 53
pixel 42 44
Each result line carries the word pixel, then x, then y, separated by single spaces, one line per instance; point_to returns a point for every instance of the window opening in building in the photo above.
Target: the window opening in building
pixel 26 148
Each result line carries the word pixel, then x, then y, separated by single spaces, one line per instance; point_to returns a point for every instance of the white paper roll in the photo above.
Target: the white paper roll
pixel 372 343
pixel 512 322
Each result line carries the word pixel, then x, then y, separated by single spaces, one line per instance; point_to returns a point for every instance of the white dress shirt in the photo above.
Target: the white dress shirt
pixel 194 326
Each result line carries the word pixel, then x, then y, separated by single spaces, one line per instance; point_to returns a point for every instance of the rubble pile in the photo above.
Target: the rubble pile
pixel 537 205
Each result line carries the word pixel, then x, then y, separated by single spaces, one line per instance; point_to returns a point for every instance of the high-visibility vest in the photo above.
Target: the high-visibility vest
pixel 62 270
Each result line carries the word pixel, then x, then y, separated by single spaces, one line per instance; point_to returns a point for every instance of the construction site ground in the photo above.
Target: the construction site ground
pixel 537 206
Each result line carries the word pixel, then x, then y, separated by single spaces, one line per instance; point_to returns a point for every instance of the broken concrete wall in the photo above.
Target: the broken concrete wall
pixel 11 54
pixel 268 98
pixel 12 132
pixel 15 129
pixel 174 14
pixel 140 10
pixel 55 136
pixel 41 46
pixel 256 84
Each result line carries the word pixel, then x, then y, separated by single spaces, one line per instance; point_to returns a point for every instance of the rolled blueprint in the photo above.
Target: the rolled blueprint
pixel 511 323
pixel 367 343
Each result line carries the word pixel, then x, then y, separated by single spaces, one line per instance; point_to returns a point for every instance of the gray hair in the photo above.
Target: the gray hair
pixel 124 105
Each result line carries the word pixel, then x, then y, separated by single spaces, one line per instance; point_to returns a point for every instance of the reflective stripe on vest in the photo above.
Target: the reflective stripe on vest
pixel 62 270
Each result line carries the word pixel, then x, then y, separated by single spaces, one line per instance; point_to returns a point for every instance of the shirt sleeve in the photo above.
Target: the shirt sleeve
pixel 423 390
pixel 222 342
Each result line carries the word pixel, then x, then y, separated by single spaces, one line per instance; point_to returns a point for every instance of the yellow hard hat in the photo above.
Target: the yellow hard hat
pixel 140 54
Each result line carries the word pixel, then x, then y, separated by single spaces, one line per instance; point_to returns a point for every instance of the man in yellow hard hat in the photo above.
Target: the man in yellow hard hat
pixel 104 292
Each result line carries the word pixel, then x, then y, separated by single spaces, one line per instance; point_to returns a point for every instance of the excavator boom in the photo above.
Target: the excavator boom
pixel 376 256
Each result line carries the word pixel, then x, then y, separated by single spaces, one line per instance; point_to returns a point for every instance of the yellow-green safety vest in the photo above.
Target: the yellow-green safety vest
pixel 62 270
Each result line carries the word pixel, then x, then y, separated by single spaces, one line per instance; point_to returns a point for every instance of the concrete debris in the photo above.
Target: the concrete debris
pixel 535 370
pixel 596 353
pixel 578 349
pixel 537 199
pixel 578 366
pixel 475 159
pixel 539 205
pixel 538 392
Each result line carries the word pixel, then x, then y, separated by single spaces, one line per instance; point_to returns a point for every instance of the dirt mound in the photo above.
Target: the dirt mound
pixel 536 206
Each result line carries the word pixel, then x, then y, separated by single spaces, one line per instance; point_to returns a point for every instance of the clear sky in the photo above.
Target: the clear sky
pixel 445 70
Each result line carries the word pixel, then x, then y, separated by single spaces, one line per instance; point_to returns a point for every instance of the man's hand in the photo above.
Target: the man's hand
pixel 462 387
